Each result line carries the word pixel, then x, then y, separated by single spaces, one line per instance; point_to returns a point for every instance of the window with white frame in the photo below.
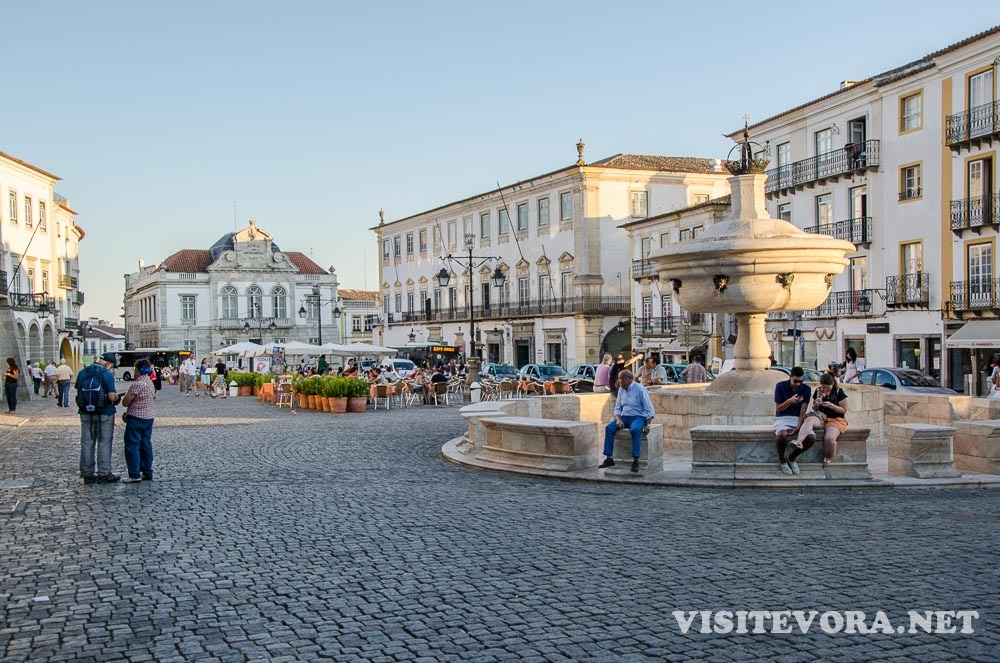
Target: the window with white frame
pixel 356 324
pixel 645 246
pixel 423 240
pixel 566 285
pixel 697 231
pixel 399 302
pixel 28 222
pixel 522 216
pixel 13 206
pixel 544 288
pixel 523 291
pixel 369 322
pixel 437 300
pixel 467 227
pixel 543 212
pixel 664 240
pixel 279 302
pixel 31 280
pixel 187 308
pixel 397 246
pixel 385 249
pixel 639 208
pixel 190 345
pixel 422 301
pixel 452 299
pixel 45 280
pixel 452 239
pixel 909 182
pixel 785 212
pixel 566 206
pixel 699 198
pixel 824 209
pixel 229 341
pixel 685 234
pixel 230 299
pixel 409 244
pixel 41 216
pixel 911 112
pixel 484 225
pixel 409 303
pixel 503 224
pixel 255 298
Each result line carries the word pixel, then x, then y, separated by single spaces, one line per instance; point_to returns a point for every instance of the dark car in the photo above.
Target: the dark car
pixel 499 371
pixel 542 372
pixel 584 371
pixel 904 381
pixel 674 373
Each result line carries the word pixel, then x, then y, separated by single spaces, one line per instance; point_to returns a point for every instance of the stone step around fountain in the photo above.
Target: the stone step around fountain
pixel 543 444
pixel 650 457
pixel 748 453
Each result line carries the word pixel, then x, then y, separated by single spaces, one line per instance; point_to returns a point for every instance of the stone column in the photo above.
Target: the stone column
pixel 11 347
pixel 752 352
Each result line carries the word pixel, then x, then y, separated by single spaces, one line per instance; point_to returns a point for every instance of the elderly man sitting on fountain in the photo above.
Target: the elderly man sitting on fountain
pixel 791 399
pixel 633 410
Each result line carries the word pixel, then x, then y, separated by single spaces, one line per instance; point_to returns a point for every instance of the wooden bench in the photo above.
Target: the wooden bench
pixel 544 444
pixel 749 453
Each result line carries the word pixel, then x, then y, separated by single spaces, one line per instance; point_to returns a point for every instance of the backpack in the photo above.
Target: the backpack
pixel 91 396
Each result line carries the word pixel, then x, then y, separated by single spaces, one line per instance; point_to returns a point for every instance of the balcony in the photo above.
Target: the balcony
pixel 30 302
pixel 980 124
pixel 533 308
pixel 79 298
pixel 671 325
pixel 843 303
pixel 975 295
pixel 851 158
pixel 68 282
pixel 70 324
pixel 907 291
pixel 856 231
pixel 643 269
pixel 263 323
pixel 974 213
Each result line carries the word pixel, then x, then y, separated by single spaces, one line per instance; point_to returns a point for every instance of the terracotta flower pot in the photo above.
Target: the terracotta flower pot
pixel 338 404
pixel 357 404
pixel 325 402
pixel 245 391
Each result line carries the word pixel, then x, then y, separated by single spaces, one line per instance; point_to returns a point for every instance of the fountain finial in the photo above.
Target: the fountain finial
pixel 750 161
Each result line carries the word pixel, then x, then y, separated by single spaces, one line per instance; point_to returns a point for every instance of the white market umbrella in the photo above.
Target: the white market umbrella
pixel 266 349
pixel 299 348
pixel 239 348
pixel 367 349
pixel 336 349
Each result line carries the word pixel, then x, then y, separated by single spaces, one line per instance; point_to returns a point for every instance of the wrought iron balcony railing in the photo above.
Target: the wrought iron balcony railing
pixel 975 294
pixel 26 301
pixel 264 323
pixel 975 212
pixel 844 303
pixel 850 158
pixel 669 325
pixel 527 309
pixel 856 231
pixel 977 122
pixel 71 323
pixel 908 290
pixel 80 298
pixel 643 269
pixel 69 282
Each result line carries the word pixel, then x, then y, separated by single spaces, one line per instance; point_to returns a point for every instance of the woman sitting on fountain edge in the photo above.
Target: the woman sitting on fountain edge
pixel 791 398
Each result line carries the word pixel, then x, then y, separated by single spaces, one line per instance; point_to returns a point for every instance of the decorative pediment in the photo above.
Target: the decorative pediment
pixel 504 267
pixel 397 284
pixel 423 280
pixel 543 262
pixel 409 282
pixel 566 257
pixel 485 272
pixel 522 264
pixel 385 286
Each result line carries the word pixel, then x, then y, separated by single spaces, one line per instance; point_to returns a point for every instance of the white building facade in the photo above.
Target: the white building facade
pixel 359 316
pixel 244 288
pixel 897 165
pixel 39 263
pixel 555 238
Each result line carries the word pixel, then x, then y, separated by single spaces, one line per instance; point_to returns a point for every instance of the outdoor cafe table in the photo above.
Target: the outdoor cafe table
pixel 267 392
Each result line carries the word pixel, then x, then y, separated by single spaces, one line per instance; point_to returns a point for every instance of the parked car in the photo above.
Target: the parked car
pixel 499 371
pixel 811 374
pixel 585 371
pixel 542 372
pixel 402 367
pixel 904 381
pixel 674 373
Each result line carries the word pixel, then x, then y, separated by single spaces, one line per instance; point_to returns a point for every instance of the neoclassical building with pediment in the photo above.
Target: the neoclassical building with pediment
pixel 242 288
pixel 556 240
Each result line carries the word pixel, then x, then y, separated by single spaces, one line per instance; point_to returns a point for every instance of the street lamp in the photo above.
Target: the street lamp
pixel 314 296
pixel 470 263
pixel 260 325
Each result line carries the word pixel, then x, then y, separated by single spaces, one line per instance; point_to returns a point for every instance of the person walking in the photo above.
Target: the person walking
pixel 186 375
pixel 139 425
pixel 50 379
pixel 219 387
pixel 36 376
pixel 95 400
pixel 10 378
pixel 64 375
pixel 204 377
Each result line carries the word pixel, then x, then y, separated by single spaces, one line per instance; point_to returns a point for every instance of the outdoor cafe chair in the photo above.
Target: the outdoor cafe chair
pixel 285 395
pixel 507 390
pixel 382 394
pixel 441 392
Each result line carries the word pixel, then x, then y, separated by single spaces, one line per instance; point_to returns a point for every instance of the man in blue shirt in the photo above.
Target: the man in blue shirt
pixel 791 399
pixel 97 427
pixel 633 410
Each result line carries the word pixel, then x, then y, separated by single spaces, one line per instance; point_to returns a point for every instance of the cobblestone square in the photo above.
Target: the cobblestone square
pixel 273 536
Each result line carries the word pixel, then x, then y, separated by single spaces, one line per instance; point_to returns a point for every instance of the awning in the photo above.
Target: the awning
pixel 976 334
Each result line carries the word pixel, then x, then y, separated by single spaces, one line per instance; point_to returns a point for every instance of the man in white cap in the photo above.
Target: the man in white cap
pixel 95 400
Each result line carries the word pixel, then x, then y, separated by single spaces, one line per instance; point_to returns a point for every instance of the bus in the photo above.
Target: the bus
pixel 419 353
pixel 159 357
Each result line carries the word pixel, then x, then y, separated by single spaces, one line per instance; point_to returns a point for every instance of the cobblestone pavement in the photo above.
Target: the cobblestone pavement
pixel 268 535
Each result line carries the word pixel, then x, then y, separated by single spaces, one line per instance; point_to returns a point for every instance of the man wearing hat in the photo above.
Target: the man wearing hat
pixel 96 384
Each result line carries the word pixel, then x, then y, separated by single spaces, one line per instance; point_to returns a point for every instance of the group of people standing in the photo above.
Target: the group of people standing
pixel 212 379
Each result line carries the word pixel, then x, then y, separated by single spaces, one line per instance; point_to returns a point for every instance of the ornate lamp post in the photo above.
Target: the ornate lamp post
pixel 314 296
pixel 260 325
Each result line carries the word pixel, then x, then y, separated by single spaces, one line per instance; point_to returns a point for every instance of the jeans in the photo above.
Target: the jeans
pixel 10 389
pixel 96 431
pixel 635 425
pixel 38 384
pixel 63 397
pixel 139 447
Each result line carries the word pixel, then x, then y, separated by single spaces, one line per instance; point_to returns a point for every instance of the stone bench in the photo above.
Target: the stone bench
pixel 650 456
pixel 749 453
pixel 922 451
pixel 977 446
pixel 543 444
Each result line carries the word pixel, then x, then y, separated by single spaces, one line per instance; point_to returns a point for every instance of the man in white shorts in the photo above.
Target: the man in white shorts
pixel 791 399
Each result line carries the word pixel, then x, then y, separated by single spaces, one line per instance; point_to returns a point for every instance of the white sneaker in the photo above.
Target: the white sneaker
pixel 786 469
pixel 131 479
pixel 793 466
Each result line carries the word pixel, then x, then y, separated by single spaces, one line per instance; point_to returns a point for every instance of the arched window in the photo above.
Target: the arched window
pixel 254 300
pixel 278 302
pixel 230 302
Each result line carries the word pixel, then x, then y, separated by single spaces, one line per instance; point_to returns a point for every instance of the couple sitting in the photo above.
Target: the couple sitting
pixel 794 420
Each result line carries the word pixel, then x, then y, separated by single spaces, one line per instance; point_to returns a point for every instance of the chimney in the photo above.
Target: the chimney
pixel 848 83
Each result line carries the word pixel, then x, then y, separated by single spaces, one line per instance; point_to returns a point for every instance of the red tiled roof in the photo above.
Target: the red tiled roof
pixel 189 261
pixel 304 263
pixel 357 295
pixel 661 164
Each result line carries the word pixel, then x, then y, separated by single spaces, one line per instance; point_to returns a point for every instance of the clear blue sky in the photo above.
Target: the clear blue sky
pixel 313 115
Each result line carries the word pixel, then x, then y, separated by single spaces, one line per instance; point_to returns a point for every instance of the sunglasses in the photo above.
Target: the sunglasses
pixel 794 381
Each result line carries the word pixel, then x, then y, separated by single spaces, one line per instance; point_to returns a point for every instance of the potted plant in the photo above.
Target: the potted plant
pixel 338 394
pixel 324 396
pixel 244 382
pixel 312 385
pixel 357 394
